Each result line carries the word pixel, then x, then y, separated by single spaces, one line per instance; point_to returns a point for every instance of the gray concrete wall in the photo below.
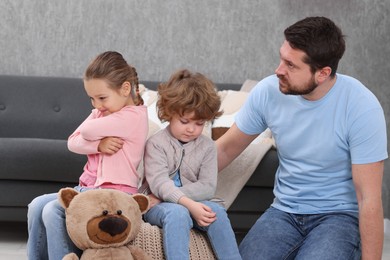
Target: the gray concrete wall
pixel 228 40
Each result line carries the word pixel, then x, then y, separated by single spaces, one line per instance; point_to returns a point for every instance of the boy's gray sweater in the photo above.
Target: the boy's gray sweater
pixel 198 168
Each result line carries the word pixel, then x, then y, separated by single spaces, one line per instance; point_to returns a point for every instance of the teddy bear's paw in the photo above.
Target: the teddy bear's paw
pixel 71 256
pixel 138 253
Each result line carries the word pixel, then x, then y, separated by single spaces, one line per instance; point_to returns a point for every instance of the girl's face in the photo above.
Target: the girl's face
pixel 185 128
pixel 106 99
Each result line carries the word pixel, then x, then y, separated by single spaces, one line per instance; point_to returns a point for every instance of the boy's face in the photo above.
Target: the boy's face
pixel 185 128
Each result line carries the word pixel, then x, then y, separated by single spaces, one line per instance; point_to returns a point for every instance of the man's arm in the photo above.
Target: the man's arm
pixel 231 144
pixel 368 184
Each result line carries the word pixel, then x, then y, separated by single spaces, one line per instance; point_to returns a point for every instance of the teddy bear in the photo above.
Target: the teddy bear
pixel 103 222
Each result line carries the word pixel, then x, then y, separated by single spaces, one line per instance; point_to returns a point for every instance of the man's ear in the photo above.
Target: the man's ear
pixel 126 88
pixel 323 74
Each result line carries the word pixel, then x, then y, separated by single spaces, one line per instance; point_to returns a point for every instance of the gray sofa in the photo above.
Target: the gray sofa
pixel 37 114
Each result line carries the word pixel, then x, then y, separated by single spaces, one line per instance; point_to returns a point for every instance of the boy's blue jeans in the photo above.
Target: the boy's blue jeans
pixel 280 235
pixel 176 222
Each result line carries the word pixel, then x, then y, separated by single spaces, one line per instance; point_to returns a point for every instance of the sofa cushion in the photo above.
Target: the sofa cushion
pixel 33 159
pixel 231 104
pixel 150 101
pixel 248 85
pixel 232 100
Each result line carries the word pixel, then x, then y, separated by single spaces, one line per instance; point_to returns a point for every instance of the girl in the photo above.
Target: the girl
pixel 181 168
pixel 113 138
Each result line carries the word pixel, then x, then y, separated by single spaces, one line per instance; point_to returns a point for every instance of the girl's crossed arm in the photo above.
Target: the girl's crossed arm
pixel 77 144
pixel 119 124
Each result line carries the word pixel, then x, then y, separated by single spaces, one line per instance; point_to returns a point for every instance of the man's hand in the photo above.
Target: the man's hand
pixel 110 145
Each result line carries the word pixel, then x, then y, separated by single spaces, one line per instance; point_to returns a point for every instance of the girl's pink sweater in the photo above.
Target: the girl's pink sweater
pixel 119 170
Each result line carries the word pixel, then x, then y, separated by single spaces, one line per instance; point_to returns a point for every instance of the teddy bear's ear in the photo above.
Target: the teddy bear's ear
pixel 65 196
pixel 142 200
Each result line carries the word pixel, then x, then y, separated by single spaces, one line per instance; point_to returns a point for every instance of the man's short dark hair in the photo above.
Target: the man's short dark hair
pixel 321 40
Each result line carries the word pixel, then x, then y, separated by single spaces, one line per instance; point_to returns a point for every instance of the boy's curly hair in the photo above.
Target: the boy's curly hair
pixel 187 92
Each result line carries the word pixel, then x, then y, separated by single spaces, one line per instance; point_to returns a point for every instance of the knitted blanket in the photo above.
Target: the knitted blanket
pixel 233 178
pixel 150 240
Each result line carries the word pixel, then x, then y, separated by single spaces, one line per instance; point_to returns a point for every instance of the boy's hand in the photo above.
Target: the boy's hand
pixel 202 214
pixel 153 200
pixel 110 145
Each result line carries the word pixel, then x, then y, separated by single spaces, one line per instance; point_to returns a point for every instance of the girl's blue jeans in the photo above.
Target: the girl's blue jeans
pixel 47 234
pixel 176 223
pixel 280 235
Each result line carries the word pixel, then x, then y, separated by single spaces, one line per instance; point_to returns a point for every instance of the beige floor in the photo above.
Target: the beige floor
pixel 13 238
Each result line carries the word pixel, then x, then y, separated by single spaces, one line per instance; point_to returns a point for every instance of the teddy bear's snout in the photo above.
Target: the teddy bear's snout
pixel 113 225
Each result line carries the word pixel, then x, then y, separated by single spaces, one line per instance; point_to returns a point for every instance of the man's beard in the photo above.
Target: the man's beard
pixel 288 89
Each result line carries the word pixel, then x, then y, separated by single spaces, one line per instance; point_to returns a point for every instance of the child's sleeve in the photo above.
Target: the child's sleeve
pixel 77 144
pixel 157 172
pixel 119 124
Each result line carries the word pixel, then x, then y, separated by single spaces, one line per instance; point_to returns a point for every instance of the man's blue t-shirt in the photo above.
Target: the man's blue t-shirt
pixel 317 142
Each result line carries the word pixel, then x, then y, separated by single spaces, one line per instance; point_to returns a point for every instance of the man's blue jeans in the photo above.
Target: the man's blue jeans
pixel 176 223
pixel 279 235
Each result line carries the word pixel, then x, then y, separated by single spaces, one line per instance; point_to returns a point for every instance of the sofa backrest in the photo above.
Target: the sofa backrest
pixel 48 107
pixel 41 107
pixel 220 86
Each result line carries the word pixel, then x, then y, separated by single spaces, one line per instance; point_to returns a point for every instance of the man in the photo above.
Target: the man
pixel 330 134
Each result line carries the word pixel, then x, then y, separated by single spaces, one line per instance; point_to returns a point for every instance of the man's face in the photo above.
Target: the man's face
pixel 295 76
